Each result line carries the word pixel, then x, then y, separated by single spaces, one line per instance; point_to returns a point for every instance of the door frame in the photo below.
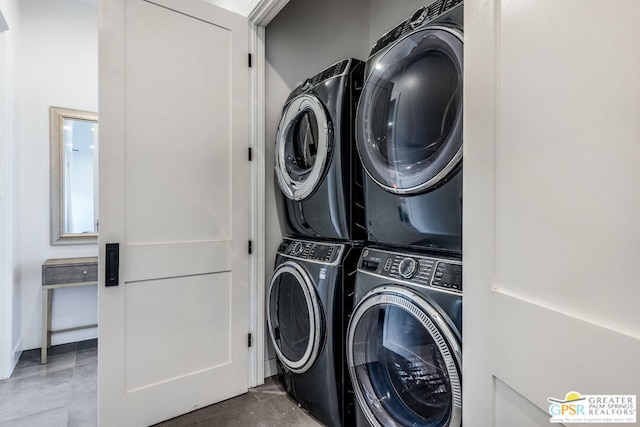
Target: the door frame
pixel 7 353
pixel 262 12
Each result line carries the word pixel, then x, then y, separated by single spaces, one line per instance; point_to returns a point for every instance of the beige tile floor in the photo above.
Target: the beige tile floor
pixel 63 393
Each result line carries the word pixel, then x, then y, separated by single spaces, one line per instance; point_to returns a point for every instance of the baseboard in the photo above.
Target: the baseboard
pixel 35 341
pixel 74 336
pixel 15 356
pixel 270 368
pixel 6 370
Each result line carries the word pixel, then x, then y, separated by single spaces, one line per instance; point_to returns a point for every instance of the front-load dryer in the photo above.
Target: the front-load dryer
pixel 404 339
pixel 309 301
pixel 316 162
pixel 409 131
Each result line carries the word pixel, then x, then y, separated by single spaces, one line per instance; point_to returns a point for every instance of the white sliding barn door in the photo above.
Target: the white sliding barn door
pixel 175 194
pixel 551 206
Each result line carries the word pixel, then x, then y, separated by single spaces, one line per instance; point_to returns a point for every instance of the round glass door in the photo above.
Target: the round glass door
pixel 294 317
pixel 302 147
pixel 409 120
pixel 404 361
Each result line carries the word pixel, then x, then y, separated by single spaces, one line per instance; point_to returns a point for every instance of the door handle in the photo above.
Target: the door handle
pixel 112 264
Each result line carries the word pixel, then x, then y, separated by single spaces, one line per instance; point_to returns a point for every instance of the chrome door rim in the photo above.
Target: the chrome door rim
pixel 293 189
pixel 432 320
pixel 442 174
pixel 313 308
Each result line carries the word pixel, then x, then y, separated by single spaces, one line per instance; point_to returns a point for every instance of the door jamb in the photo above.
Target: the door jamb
pixel 261 14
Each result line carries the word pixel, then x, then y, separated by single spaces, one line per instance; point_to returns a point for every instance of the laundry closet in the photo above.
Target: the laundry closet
pixel 375 254
pixel 537 281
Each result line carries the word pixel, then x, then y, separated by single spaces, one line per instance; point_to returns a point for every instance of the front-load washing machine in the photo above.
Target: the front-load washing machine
pixel 404 339
pixel 309 300
pixel 409 131
pixel 316 162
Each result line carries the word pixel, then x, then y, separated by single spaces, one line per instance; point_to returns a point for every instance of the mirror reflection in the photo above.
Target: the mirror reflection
pixel 74 180
pixel 79 173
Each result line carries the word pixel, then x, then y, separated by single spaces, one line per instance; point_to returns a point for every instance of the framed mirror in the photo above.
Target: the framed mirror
pixel 73 138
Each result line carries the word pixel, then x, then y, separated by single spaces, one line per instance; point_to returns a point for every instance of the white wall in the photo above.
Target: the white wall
pixel 57 65
pixel 14 178
pixel 9 289
pixel 5 307
pixel 551 205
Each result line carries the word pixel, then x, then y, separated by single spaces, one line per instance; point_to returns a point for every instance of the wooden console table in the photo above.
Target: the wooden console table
pixel 63 273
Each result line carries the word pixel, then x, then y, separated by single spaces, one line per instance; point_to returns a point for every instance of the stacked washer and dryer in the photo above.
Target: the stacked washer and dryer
pixel 404 336
pixel 310 296
pixel 366 296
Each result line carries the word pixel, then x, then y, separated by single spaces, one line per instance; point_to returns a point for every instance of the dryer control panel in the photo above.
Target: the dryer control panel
pixel 325 253
pixel 439 9
pixel 413 268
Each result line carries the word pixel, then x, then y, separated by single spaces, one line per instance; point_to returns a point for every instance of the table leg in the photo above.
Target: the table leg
pixel 45 325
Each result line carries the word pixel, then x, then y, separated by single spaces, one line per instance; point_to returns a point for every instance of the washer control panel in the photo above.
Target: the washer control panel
pixel 338 69
pixel 325 253
pixel 413 268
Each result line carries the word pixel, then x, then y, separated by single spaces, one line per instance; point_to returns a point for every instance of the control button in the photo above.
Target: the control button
pixel 407 268
pixel 387 265
pixel 371 265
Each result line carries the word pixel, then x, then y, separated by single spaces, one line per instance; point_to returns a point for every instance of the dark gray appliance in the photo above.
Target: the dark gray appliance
pixel 317 166
pixel 409 131
pixel 308 303
pixel 404 340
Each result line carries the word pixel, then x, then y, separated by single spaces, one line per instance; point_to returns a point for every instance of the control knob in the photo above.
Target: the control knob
pixel 418 17
pixel 306 85
pixel 408 268
pixel 297 248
